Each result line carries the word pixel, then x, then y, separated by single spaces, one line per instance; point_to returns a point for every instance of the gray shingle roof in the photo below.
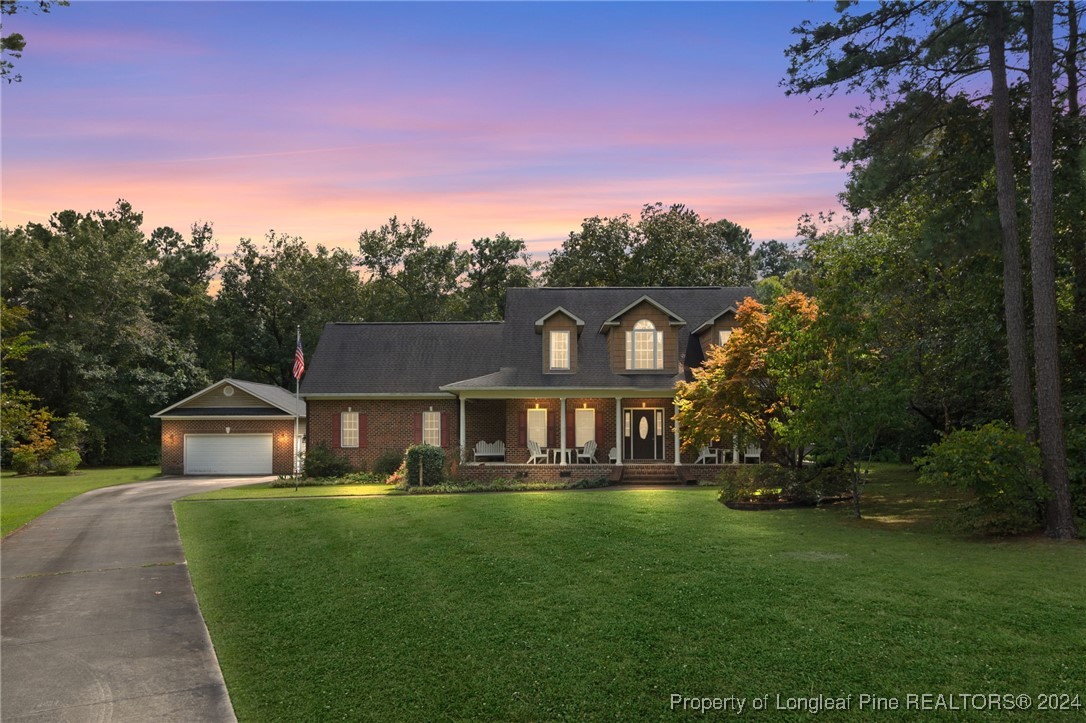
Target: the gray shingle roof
pixel 428 357
pixel 408 358
pixel 273 395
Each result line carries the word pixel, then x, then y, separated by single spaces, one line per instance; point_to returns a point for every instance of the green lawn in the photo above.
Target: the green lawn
pixel 263 491
pixel 602 604
pixel 24 498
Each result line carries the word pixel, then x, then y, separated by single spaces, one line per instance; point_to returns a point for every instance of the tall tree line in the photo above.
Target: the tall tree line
pixel 972 154
pixel 114 324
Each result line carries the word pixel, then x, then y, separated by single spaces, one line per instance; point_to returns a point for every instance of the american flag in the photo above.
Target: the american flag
pixel 299 358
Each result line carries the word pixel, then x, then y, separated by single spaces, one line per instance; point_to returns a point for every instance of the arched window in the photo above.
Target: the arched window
pixel 644 346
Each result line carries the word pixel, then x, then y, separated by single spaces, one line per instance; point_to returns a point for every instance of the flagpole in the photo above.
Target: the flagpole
pixel 294 443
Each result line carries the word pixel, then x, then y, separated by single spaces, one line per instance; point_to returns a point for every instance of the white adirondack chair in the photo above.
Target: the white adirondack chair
pixel 706 455
pixel 588 454
pixel 535 454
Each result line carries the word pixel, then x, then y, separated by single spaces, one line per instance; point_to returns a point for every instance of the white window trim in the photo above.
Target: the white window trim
pixel 528 422
pixel 654 350
pixel 431 428
pixel 348 425
pixel 564 336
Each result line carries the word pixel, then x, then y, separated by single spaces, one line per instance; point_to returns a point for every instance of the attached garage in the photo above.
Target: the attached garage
pixel 233 427
pixel 228 454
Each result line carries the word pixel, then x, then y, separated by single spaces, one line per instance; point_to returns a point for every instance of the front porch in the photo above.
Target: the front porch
pixel 545 438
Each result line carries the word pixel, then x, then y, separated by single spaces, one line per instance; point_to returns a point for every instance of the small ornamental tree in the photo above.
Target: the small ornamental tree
pixel 733 392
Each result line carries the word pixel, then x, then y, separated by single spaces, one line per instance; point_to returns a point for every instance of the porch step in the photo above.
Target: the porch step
pixel 646 474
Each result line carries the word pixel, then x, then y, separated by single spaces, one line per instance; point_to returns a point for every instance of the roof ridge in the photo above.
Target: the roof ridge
pixel 415 323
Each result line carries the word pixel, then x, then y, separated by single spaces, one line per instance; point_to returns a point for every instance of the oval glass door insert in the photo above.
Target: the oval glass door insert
pixel 643 428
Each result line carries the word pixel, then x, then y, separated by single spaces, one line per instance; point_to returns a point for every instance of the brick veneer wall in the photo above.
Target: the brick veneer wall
pixel 389 425
pixel 485 422
pixel 174 431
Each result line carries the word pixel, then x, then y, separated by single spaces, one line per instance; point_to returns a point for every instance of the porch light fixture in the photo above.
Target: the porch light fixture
pixel 537 405
pixel 228 430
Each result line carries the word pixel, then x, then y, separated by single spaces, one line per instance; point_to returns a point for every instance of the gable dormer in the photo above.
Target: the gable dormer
pixel 560 330
pixel 716 330
pixel 643 338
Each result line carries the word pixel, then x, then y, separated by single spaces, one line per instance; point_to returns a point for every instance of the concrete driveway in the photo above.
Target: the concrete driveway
pixel 97 614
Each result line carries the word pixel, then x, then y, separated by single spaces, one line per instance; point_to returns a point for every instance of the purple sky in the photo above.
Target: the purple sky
pixel 324 119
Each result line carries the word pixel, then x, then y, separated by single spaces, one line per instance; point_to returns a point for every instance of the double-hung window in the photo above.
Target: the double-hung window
pixel 644 346
pixel 560 350
pixel 431 428
pixel 585 423
pixel 348 429
pixel 537 426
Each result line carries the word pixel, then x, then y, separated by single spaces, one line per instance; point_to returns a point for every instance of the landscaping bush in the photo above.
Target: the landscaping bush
pixel 507 484
pixel 430 459
pixel 63 463
pixel 1003 471
pixel 388 463
pixel 323 462
pixel 1076 467
pixel 351 478
pixel 773 483
pixel 25 461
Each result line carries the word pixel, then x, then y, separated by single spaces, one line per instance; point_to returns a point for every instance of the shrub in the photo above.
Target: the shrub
pixel 323 462
pixel 430 459
pixel 507 484
pixel 771 483
pixel 25 461
pixel 1076 467
pixel 388 462
pixel 1003 471
pixel 63 463
pixel 352 478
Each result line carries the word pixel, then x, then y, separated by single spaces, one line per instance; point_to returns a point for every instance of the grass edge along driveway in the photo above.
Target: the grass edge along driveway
pixel 590 606
pixel 26 497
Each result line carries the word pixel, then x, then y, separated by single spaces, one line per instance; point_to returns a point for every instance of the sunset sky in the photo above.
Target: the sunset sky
pixel 323 119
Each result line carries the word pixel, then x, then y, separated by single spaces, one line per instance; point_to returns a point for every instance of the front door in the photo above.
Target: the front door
pixel 643 434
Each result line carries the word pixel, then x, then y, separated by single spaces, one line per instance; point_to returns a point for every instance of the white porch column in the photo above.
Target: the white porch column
pixel 675 421
pixel 463 433
pixel 618 428
pixel 562 432
pixel 735 449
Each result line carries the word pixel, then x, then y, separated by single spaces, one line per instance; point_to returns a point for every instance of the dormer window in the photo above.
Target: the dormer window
pixel 723 335
pixel 559 350
pixel 645 347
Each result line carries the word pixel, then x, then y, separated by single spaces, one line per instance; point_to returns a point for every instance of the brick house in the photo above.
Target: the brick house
pixel 566 367
pixel 233 427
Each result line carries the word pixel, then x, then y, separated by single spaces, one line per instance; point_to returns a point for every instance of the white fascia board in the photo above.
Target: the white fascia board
pixel 205 417
pixel 676 320
pixel 576 319
pixel 556 393
pixel 189 398
pixel 712 321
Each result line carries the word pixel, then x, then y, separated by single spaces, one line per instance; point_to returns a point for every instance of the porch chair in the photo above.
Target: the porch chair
pixel 754 451
pixel 612 456
pixel 588 454
pixel 706 455
pixel 535 454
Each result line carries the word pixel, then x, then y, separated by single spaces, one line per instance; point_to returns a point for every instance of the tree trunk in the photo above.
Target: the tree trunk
pixel 1013 305
pixel 1071 60
pixel 1061 521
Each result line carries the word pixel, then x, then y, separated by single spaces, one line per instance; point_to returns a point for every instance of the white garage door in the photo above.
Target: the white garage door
pixel 228 454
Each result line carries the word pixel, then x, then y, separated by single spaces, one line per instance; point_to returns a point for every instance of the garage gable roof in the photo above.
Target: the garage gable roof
pixel 278 401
